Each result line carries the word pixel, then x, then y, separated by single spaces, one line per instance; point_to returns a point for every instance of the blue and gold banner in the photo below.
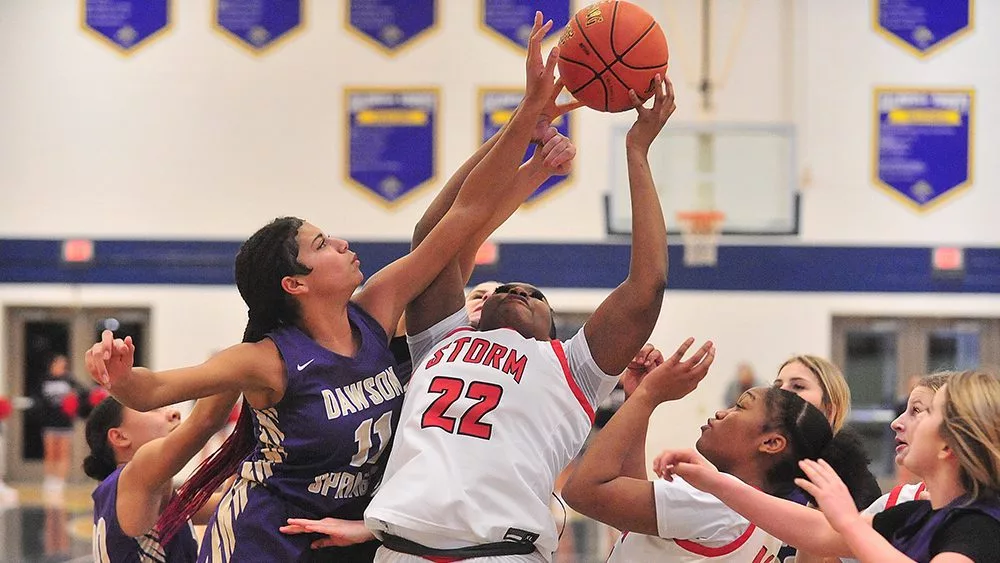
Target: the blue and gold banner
pixel 512 19
pixel 258 24
pixel 126 24
pixel 392 140
pixel 391 24
pixel 496 108
pixel 923 143
pixel 923 26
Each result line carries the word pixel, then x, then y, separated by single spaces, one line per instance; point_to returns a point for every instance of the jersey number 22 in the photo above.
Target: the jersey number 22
pixel 486 395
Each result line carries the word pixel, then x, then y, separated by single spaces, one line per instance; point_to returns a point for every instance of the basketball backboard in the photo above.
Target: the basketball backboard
pixel 746 171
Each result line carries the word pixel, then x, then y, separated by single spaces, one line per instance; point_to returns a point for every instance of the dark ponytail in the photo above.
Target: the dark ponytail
pixel 810 436
pixel 264 259
pixel 101 461
pixel 847 456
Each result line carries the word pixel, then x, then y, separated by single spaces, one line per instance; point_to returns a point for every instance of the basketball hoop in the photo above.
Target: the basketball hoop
pixel 700 233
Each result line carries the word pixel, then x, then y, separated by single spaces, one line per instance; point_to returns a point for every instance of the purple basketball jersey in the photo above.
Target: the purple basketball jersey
pixel 915 536
pixel 320 451
pixel 111 544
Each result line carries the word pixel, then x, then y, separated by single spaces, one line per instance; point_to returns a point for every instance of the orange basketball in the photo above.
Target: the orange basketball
pixel 609 48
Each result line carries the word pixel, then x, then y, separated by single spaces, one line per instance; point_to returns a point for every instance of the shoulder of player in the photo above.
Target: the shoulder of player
pixel 260 361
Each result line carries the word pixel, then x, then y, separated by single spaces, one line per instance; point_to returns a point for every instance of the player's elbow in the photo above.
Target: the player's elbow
pixel 579 496
pixel 655 278
pixel 646 290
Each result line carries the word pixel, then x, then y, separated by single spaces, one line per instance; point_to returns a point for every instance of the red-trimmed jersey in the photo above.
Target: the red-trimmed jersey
pixel 695 526
pixel 899 494
pixel 489 420
pixel 753 546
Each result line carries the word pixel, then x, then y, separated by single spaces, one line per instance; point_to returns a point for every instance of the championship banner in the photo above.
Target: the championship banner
pixel 126 24
pixel 923 26
pixel 391 24
pixel 392 137
pixel 257 25
pixel 923 143
pixel 496 108
pixel 512 19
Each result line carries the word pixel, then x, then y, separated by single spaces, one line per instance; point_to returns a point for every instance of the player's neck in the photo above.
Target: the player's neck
pixel 332 331
pixel 944 486
pixel 751 475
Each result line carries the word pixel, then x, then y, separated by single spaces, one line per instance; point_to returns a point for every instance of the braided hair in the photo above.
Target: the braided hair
pixel 263 261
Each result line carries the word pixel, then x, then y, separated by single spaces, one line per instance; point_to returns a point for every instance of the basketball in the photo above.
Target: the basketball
pixel 609 48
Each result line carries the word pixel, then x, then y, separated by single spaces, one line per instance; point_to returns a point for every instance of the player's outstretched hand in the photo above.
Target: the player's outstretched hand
pixel 650 121
pixel 110 361
pixel 555 155
pixel 643 362
pixel 830 492
pixel 553 110
pixel 540 76
pixel 675 377
pixel 689 465
pixel 339 533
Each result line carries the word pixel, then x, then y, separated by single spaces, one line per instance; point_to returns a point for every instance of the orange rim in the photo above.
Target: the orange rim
pixel 701 221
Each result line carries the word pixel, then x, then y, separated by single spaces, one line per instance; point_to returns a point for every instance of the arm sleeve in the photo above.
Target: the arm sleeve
pixel 685 513
pixel 595 384
pixel 422 343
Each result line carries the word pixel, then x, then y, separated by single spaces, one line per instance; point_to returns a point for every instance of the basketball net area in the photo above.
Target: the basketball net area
pixel 701 226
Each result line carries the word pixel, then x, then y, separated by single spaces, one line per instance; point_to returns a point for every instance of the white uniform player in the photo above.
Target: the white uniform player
pixel 695 526
pixel 489 420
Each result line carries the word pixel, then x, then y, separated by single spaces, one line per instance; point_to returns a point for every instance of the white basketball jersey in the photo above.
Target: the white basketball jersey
pixel 489 420
pixel 753 546
pixel 899 494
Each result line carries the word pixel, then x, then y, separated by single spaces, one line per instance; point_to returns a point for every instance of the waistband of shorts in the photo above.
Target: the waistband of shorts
pixel 494 549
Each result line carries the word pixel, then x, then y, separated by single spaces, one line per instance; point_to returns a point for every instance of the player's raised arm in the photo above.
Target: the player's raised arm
pixel 532 173
pixel 624 321
pixel 603 485
pixel 484 201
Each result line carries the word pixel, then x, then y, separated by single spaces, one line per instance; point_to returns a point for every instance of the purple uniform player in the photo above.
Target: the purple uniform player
pixel 111 544
pixel 135 456
pixel 320 451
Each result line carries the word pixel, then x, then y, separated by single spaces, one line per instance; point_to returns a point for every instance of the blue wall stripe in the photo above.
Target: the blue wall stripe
pixel 740 268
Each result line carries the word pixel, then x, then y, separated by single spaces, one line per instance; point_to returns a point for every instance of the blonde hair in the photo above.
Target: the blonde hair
pixel 935 381
pixel 836 393
pixel 971 428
